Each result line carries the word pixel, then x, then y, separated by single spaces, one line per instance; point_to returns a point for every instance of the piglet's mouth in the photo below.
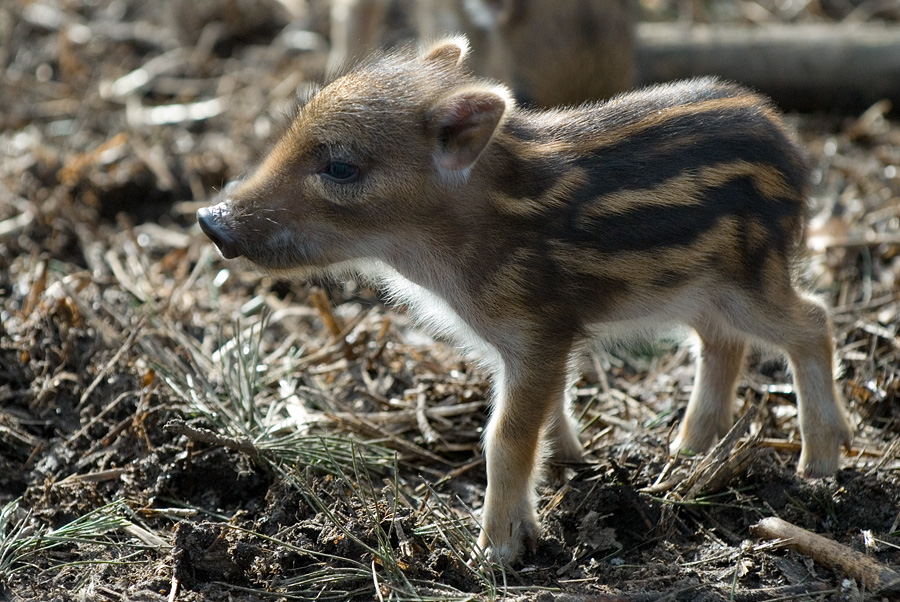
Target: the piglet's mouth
pixel 212 221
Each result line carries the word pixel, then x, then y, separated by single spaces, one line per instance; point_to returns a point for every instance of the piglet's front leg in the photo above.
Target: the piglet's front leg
pixel 529 393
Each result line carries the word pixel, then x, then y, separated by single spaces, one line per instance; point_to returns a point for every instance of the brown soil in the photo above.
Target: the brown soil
pixel 349 467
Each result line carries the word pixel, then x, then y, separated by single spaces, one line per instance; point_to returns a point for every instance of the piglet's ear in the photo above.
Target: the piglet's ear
pixel 451 52
pixel 463 123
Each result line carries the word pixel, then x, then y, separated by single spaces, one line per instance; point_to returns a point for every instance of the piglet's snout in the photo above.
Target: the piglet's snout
pixel 213 221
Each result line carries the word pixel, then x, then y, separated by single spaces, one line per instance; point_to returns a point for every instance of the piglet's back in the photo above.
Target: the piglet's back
pixel 637 198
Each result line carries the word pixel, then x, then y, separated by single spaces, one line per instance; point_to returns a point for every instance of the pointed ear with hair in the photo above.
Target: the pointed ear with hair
pixel 463 123
pixel 451 51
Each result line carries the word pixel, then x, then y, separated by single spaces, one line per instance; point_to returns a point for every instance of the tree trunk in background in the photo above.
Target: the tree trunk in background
pixel 806 67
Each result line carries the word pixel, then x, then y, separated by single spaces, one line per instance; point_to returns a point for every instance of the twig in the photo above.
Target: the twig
pixel 721 464
pixel 876 576
pixel 138 115
pixel 240 444
pixel 98 476
pixel 796 446
pixel 123 278
pixel 129 343
pixel 781 444
pixel 785 592
pixel 72 171
pixel 147 537
pixel 350 422
pixel 14 225
pixel 425 428
pixel 173 591
pixel 10 434
pixel 607 419
pixel 404 545
pixel 153 158
pixel 325 353
pixel 323 307
pixel 458 472
pixel 143 76
pixel 864 241
pixel 116 431
pixel 83 430
pixel 673 480
pixel 38 286
pixel 639 597
pixel 857 308
pixel 400 416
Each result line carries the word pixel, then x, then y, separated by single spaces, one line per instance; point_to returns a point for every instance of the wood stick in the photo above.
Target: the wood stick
pixel 796 446
pixel 16 224
pixel 360 425
pixel 801 66
pixel 721 464
pixel 876 576
pixel 240 444
pixel 126 346
pixel 323 306
pixel 425 428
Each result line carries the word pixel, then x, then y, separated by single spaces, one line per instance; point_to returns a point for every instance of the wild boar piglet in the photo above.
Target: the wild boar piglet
pixel 521 235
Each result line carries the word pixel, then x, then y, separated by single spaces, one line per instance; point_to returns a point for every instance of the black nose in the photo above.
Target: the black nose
pixel 212 223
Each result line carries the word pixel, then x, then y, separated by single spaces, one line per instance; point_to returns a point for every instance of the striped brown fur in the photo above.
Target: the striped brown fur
pixel 522 234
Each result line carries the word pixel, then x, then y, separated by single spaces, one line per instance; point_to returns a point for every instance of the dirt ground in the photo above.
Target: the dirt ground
pixel 173 428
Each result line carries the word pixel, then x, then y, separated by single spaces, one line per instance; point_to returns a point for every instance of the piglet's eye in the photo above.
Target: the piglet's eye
pixel 338 171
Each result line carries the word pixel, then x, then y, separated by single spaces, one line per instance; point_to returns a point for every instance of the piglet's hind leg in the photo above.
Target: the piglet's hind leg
pixel 801 327
pixel 711 407
pixel 823 425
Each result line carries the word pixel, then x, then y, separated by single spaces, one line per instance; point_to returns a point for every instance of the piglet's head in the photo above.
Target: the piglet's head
pixel 369 167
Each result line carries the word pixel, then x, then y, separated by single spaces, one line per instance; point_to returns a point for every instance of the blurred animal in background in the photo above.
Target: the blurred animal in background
pixel 549 52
